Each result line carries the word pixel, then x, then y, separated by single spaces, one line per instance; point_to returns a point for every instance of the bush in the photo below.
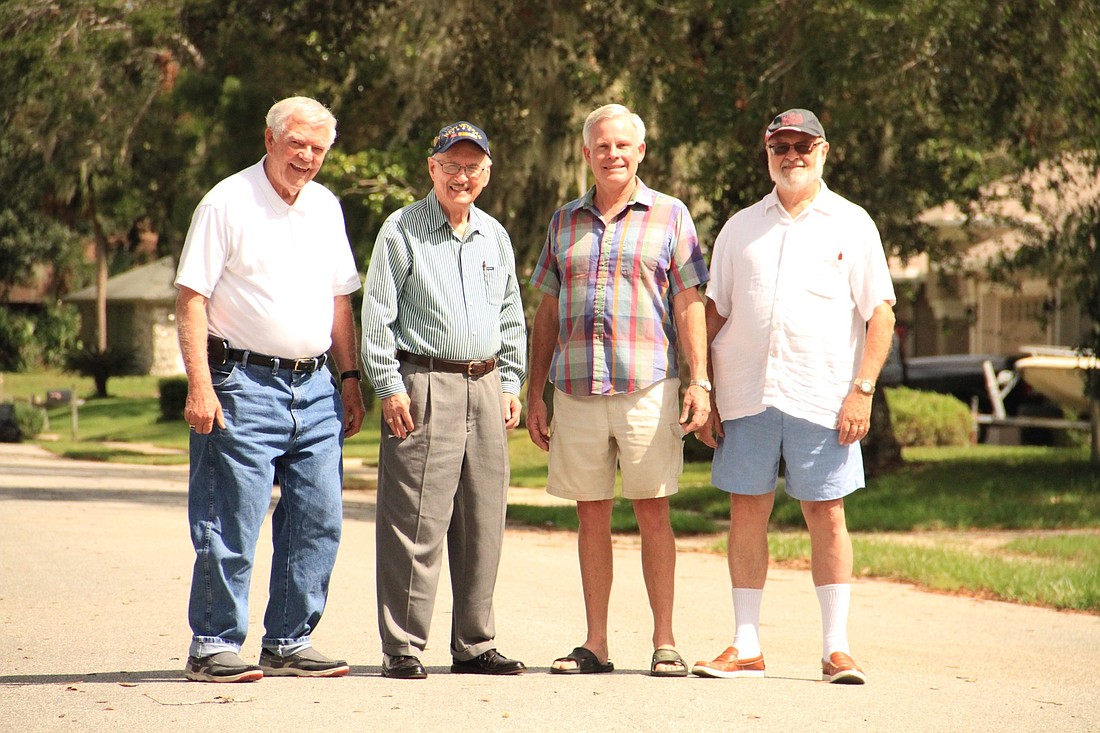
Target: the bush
pixel 173 397
pixel 928 418
pixel 115 361
pixel 30 419
pixel 56 332
pixel 13 336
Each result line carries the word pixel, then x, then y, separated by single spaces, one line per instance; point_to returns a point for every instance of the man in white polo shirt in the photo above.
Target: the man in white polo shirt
pixel 264 283
pixel 800 319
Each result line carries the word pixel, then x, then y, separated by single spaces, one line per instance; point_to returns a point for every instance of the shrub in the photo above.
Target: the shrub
pixel 115 361
pixel 928 418
pixel 55 333
pixel 13 336
pixel 173 397
pixel 30 419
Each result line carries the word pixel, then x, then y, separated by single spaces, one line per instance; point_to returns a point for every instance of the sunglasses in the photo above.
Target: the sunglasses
pixel 800 148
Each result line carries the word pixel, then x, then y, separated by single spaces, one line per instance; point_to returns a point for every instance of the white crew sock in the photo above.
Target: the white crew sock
pixel 834 600
pixel 746 616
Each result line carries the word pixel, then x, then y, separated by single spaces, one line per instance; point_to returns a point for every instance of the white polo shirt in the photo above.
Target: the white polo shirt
pixel 270 270
pixel 797 295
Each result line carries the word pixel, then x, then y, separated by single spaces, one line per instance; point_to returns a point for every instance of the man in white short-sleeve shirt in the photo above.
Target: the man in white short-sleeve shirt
pixel 800 320
pixel 264 284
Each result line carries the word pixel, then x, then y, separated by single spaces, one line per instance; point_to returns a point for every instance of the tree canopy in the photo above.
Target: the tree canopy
pixel 122 109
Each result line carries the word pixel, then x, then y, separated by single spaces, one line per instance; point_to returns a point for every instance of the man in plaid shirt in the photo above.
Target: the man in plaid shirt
pixel 619 272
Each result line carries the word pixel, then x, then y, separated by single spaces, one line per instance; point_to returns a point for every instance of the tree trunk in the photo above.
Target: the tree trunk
pixel 1094 420
pixel 100 271
pixel 881 450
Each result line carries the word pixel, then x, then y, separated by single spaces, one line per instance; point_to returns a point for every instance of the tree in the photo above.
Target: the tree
pixel 82 79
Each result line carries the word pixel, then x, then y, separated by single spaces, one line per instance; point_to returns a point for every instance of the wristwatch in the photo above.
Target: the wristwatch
pixel 704 383
pixel 865 386
pixel 350 374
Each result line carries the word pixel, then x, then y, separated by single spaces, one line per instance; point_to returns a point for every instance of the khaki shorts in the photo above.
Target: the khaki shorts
pixel 640 431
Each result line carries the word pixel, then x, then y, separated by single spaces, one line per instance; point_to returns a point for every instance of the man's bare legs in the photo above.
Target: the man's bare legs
pixel 831 566
pixel 830 545
pixel 658 569
pixel 747 547
pixel 594 549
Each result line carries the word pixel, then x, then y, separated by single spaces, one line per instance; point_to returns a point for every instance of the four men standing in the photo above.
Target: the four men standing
pixel 798 322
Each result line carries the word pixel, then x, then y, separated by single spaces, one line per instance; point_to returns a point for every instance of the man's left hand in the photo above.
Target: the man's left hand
pixel 697 407
pixel 855 418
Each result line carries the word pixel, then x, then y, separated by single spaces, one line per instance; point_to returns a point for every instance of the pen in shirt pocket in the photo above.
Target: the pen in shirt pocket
pixel 486 266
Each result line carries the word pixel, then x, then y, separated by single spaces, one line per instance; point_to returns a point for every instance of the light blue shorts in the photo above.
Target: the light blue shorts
pixel 819 468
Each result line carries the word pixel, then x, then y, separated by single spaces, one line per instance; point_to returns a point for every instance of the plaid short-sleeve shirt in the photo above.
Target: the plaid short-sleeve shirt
pixel 614 285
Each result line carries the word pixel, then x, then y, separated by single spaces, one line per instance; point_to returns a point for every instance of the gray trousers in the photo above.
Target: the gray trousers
pixel 447 480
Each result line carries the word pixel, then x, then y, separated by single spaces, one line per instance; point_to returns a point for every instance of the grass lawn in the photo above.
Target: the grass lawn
pixel 1014 523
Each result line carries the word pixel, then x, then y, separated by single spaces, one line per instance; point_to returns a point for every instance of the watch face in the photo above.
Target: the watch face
pixel 866 386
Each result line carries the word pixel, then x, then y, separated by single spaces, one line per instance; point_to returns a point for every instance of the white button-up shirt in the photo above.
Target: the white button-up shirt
pixel 797 295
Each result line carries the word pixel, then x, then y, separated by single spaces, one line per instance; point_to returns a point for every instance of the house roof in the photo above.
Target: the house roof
pixel 151 283
pixel 999 221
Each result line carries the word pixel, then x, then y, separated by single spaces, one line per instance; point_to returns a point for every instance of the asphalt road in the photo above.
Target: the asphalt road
pixel 94 570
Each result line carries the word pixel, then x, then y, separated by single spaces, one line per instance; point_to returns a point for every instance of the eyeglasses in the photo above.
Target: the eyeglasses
pixel 800 148
pixel 453 169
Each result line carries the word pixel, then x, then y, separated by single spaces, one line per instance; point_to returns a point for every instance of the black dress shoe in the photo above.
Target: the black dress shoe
pixel 491 662
pixel 402 667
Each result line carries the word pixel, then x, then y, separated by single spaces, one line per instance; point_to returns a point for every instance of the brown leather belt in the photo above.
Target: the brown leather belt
pixel 218 352
pixel 469 368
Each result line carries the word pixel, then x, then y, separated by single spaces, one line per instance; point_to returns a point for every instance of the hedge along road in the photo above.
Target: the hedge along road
pixel 95 566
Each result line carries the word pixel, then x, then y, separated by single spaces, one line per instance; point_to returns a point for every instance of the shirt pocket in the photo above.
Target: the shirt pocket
pixel 829 281
pixel 494 279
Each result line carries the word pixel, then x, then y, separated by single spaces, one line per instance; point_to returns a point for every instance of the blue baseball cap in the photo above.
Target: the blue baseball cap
pixel 458 132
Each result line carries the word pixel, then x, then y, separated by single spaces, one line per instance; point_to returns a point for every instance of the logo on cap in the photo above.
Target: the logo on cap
pixel 792 118
pixel 802 120
pixel 458 132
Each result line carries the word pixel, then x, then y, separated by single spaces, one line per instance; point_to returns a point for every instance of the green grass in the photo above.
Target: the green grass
pixel 1056 570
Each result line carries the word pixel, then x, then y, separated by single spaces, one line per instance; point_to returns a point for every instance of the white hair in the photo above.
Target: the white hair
pixel 303 109
pixel 611 112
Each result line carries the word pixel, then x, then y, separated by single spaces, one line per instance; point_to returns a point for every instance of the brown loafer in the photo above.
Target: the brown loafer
pixel 728 665
pixel 841 669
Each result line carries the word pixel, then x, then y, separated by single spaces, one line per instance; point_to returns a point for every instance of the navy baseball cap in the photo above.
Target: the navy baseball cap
pixel 457 132
pixel 800 120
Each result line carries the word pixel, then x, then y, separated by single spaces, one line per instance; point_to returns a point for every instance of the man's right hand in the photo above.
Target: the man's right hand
pixel 537 426
pixel 203 410
pixel 395 413
pixel 712 428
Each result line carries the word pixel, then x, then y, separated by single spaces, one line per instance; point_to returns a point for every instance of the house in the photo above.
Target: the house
pixel 141 314
pixel 955 306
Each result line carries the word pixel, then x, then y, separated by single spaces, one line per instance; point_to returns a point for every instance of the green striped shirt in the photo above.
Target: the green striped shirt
pixel 432 293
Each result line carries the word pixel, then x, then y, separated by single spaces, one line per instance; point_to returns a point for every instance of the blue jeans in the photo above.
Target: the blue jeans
pixel 280 424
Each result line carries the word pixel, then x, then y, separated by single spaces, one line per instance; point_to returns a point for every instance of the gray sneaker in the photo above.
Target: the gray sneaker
pixel 307 663
pixel 221 667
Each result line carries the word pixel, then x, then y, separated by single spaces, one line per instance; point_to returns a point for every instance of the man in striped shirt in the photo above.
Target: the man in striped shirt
pixel 619 273
pixel 444 345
